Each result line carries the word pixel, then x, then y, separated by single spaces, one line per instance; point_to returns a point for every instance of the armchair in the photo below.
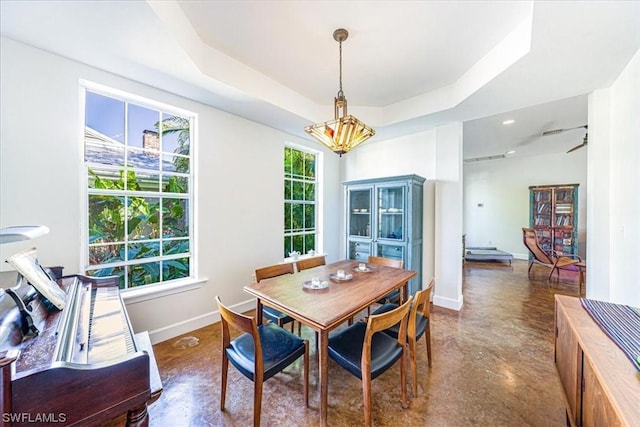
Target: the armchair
pixel 553 260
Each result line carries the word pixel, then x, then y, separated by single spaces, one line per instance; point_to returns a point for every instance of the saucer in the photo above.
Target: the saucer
pixel 366 270
pixel 335 277
pixel 309 285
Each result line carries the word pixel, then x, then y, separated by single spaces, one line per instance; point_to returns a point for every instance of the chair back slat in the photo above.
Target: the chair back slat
pixel 239 321
pixel 242 323
pixel 421 305
pixel 530 240
pixel 273 271
pixel 380 322
pixel 315 261
pixel 389 262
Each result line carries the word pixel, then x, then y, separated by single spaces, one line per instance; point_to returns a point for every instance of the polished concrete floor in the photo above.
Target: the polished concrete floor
pixel 492 366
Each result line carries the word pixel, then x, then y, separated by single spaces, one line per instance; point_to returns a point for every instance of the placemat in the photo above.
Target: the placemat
pixel 620 322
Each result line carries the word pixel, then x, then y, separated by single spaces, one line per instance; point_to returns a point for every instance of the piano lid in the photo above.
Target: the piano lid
pixel 22 232
pixel 26 262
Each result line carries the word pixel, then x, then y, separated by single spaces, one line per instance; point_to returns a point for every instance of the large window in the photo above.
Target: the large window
pixel 300 201
pixel 139 189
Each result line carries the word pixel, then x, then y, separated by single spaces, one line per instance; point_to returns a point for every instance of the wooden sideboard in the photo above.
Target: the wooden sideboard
pixel 600 385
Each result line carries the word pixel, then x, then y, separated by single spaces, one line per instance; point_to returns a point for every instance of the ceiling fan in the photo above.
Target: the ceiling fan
pixel 585 140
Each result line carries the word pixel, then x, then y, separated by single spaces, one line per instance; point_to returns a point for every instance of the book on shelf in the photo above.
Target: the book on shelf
pixel 542 196
pixel 543 208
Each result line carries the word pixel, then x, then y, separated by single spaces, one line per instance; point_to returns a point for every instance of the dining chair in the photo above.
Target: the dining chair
pixel 268 272
pixel 315 261
pixel 259 353
pixel 549 259
pixel 392 297
pixel 366 352
pixel 419 324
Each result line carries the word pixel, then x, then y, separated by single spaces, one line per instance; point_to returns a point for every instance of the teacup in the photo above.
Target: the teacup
pixel 362 266
pixel 340 274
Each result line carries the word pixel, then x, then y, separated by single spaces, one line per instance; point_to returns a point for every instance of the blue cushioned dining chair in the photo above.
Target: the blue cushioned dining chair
pixel 392 297
pixel 366 352
pixel 259 353
pixel 269 313
pixel 419 324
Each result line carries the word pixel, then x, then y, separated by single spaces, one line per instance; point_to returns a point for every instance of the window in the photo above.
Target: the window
pixel 300 201
pixel 139 189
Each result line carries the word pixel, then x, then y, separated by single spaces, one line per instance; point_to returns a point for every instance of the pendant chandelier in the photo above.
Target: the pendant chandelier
pixel 344 132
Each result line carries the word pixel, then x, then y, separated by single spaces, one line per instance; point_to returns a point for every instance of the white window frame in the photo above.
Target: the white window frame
pixel 319 220
pixel 144 292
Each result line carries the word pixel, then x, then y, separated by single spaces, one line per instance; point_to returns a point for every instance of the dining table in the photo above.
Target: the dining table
pixel 336 301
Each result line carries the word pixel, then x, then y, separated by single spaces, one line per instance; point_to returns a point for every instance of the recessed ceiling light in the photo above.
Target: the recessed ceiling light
pixel 511 151
pixel 508 122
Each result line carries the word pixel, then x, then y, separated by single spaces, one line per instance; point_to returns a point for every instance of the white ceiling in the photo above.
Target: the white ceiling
pixel 394 51
pixel 407 65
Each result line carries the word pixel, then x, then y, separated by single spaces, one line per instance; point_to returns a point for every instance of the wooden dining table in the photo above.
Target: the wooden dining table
pixel 324 309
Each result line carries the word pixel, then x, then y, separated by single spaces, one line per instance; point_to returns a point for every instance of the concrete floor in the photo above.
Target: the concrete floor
pixel 492 366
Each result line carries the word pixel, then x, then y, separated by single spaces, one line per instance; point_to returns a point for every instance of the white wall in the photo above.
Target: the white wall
pixel 613 265
pixel 239 183
pixel 502 188
pixel 436 156
pixel 414 154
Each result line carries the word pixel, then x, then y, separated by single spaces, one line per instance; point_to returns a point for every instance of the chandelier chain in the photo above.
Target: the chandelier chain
pixel 340 93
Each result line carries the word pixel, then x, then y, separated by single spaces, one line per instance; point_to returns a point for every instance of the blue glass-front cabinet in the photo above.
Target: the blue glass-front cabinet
pixel 384 218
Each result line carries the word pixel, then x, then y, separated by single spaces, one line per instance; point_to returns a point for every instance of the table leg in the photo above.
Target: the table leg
pixel 323 368
pixel 259 312
pixel 404 293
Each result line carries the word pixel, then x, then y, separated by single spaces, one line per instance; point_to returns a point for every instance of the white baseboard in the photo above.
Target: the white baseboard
pixel 449 303
pixel 172 331
pixel 524 257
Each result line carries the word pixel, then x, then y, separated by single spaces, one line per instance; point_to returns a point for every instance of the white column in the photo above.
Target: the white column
pixel 613 205
pixel 598 203
pixel 448 217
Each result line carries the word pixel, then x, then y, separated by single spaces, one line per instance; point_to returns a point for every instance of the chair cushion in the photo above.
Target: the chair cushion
pixel 393 331
pixel 392 297
pixel 345 348
pixel 279 349
pixel 274 315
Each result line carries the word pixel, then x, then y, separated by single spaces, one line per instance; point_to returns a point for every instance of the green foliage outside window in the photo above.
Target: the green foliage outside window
pixel 299 201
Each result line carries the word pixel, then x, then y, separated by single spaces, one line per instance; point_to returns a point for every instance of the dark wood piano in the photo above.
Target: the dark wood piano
pixel 82 365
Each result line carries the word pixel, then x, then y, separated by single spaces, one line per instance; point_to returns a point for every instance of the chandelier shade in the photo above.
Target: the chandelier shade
pixel 342 134
pixel 345 132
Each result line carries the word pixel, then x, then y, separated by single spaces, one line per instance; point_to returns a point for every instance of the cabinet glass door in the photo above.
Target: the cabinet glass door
pixel 391 213
pixel 390 251
pixel 360 212
pixel 542 208
pixel 563 241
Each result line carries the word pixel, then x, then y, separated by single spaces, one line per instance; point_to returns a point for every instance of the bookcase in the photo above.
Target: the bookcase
pixel 553 213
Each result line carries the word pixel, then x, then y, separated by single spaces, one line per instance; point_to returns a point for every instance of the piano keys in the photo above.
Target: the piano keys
pixel 85 364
